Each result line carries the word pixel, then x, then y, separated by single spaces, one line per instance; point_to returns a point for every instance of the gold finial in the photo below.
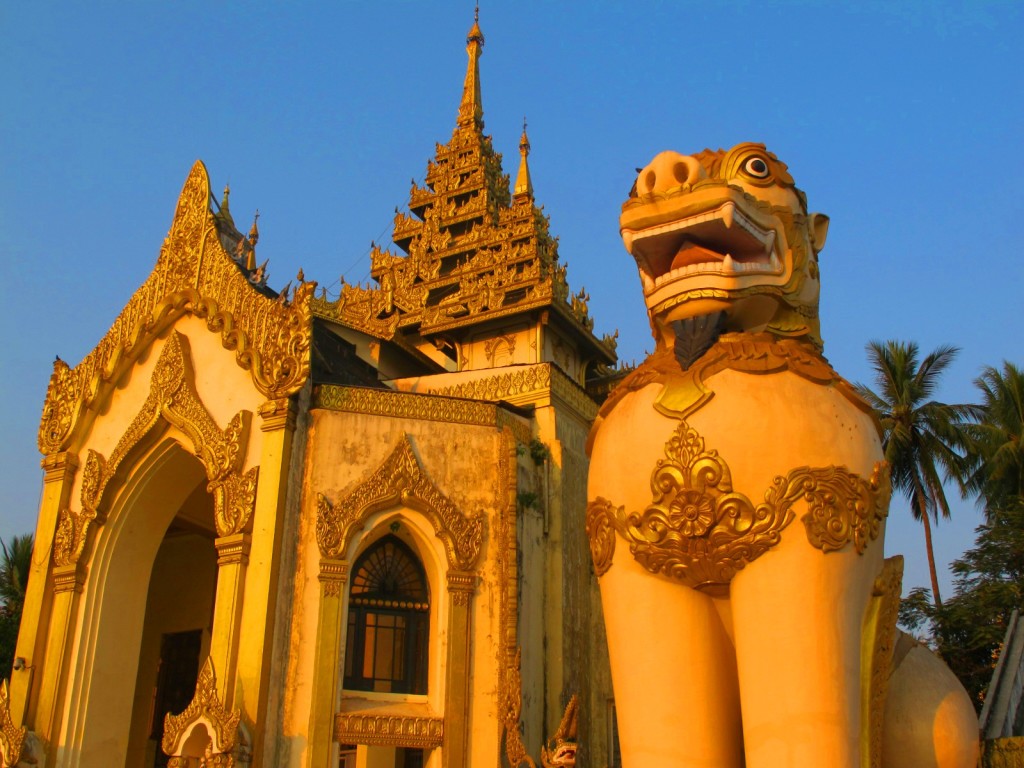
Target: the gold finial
pixel 524 185
pixel 254 237
pixel 471 112
pixel 227 194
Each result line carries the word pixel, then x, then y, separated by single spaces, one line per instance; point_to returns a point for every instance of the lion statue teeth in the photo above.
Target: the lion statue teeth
pixel 738 497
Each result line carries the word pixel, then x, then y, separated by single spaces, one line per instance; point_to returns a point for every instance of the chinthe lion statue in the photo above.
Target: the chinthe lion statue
pixel 738 497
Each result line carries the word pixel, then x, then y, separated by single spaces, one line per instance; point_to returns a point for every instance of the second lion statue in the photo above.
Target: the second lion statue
pixel 738 497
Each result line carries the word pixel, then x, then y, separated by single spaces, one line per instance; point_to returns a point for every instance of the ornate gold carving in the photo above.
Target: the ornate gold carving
pixel 699 531
pixel 684 391
pixel 601 532
pixel 57 466
pixel 400 480
pixel 472 253
pixel 877 650
pixel 193 275
pixel 510 685
pixel 561 749
pixel 172 398
pixel 68 578
pixel 12 737
pixel 843 508
pixel 233 549
pixel 277 414
pixel 386 402
pixel 491 346
pixel 206 707
pixel 389 730
pixel 333 575
pixel 519 384
pixel 461 586
pixel 512 709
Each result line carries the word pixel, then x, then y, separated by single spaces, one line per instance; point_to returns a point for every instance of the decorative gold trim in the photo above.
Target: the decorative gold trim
pixel 206 707
pixel 699 531
pixel 172 398
pixel 57 466
pixel 233 549
pixel 68 578
pixel 684 392
pixel 12 737
pixel 512 710
pixel 878 641
pixel 277 414
pixel 510 685
pixel 389 730
pixel 399 480
pixel 193 275
pixel 519 384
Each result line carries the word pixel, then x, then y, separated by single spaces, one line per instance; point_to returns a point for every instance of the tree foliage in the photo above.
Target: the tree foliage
pixel 920 435
pixel 968 629
pixel 15 561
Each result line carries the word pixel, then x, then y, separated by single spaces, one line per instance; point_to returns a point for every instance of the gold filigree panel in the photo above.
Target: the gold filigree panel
pixel 684 391
pixel 205 707
pixel 193 275
pixel 879 641
pixel 389 730
pixel 12 737
pixel 400 480
pixel 524 382
pixel 172 398
pixel 698 530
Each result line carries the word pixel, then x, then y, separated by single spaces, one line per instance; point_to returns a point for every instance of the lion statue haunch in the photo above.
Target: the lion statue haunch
pixel 738 497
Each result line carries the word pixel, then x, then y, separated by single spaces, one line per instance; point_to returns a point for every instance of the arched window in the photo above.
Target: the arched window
pixel 387 644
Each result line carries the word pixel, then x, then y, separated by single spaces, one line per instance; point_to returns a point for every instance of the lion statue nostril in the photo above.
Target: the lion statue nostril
pixel 681 171
pixel 650 179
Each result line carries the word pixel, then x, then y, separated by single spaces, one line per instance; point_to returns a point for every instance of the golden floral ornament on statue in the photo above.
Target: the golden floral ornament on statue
pixel 700 531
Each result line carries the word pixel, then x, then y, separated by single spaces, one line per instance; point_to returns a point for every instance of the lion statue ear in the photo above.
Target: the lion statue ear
pixel 819 231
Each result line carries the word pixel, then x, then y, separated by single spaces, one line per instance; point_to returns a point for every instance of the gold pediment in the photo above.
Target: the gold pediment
pixel 194 275
pixel 400 481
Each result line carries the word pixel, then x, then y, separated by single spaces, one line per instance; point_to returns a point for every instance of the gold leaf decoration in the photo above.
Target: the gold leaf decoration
pixel 12 737
pixel 172 398
pixel 193 275
pixel 400 480
pixel 205 706
pixel 698 530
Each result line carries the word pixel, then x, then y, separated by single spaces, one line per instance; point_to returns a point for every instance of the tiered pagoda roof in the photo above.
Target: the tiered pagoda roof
pixel 471 249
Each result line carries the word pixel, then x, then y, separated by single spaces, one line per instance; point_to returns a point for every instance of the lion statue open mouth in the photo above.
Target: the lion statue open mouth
pixel 737 501
pixel 725 232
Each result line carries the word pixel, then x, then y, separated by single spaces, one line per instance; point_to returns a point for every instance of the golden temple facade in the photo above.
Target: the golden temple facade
pixel 283 530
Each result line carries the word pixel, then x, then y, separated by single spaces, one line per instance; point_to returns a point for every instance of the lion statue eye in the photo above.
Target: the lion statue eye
pixel 756 167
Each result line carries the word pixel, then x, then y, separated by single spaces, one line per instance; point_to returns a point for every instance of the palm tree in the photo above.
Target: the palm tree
pixel 994 444
pixel 919 435
pixel 15 562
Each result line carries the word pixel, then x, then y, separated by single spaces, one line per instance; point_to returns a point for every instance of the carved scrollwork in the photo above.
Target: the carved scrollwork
pixel 193 275
pixel 172 398
pixel 12 737
pixel 700 531
pixel 389 730
pixel 684 391
pixel 401 479
pixel 205 708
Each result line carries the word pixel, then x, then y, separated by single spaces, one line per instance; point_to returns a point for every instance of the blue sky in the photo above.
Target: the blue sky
pixel 902 121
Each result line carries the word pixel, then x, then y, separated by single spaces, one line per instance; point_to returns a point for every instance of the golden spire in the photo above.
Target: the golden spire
pixel 254 236
pixel 471 111
pixel 524 185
